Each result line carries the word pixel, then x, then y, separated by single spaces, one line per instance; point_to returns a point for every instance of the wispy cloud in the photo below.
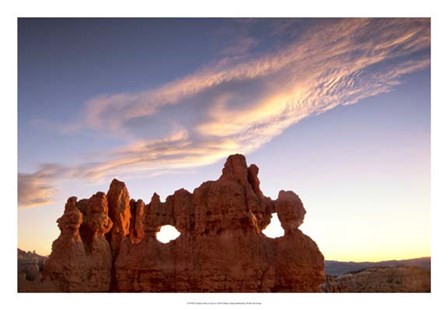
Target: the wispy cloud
pixel 334 62
pixel 36 189
pixel 331 53
pixel 176 151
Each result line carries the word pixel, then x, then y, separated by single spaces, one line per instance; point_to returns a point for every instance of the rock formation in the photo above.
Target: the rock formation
pixel 383 279
pixel 29 265
pixel 81 259
pixel 29 272
pixel 120 214
pixel 137 232
pixel 221 247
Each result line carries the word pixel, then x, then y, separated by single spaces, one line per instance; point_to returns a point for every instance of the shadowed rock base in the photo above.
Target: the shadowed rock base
pixel 221 247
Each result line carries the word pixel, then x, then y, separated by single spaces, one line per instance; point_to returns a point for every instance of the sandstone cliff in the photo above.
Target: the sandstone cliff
pixel 108 243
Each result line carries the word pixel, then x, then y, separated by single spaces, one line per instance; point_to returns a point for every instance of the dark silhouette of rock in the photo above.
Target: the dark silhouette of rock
pixel 221 247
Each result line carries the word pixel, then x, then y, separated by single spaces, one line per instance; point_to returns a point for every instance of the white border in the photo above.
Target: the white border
pixel 229 8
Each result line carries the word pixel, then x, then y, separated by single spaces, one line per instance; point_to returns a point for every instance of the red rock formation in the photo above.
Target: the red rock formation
pixel 221 247
pixel 81 260
pixel 136 231
pixel 67 265
pixel 119 213
pixel 290 211
pixel 299 262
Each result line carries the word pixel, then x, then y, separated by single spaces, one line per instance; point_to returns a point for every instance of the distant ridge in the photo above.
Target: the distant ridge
pixel 336 268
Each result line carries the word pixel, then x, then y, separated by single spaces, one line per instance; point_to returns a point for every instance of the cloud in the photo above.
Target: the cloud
pixel 177 151
pixel 141 158
pixel 35 189
pixel 239 48
pixel 332 52
pixel 243 102
pixel 338 64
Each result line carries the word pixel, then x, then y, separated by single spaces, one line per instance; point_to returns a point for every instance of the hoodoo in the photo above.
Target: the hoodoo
pixel 108 243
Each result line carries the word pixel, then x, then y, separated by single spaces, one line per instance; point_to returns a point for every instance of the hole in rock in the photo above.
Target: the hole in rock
pixel 167 233
pixel 274 229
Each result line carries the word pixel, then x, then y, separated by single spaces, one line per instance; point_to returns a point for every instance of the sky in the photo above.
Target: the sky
pixel 337 110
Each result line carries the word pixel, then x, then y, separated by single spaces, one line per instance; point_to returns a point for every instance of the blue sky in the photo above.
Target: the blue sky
pixel 337 110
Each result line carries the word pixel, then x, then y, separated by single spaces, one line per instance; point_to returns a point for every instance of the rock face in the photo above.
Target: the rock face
pixel 221 247
pixel 81 259
pixel 120 214
pixel 137 232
